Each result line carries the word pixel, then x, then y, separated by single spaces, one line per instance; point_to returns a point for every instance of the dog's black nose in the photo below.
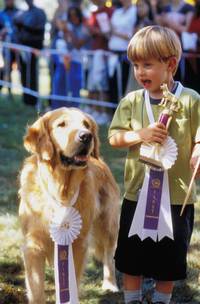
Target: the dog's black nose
pixel 85 137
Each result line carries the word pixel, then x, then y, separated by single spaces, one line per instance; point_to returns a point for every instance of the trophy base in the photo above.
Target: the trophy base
pixel 151 162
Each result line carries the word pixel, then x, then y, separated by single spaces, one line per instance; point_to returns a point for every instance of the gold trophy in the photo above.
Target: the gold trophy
pixel 157 155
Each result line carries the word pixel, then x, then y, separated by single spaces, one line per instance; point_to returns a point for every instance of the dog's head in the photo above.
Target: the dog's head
pixel 66 135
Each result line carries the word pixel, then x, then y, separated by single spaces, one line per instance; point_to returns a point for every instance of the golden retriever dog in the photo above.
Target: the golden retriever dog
pixel 65 161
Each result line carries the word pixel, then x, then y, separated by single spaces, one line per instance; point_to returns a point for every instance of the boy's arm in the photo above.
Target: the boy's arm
pixel 153 133
pixel 194 158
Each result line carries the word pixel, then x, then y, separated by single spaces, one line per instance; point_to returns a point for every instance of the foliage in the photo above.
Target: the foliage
pixel 14 117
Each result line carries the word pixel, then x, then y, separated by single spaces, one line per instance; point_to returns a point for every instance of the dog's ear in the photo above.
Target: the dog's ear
pixel 95 152
pixel 37 139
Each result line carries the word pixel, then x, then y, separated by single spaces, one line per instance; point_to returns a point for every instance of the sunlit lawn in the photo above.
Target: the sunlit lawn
pixel 13 120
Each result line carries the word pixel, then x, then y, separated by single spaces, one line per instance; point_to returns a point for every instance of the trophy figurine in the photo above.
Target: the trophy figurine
pixel 157 155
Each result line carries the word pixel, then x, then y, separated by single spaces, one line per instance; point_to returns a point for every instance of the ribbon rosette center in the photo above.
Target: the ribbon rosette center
pixel 65 226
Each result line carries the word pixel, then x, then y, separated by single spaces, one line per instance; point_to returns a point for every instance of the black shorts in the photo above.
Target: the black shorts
pixel 164 260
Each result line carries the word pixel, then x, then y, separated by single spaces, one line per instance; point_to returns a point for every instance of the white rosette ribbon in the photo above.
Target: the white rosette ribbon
pixel 168 153
pixel 165 154
pixel 64 229
pixel 65 226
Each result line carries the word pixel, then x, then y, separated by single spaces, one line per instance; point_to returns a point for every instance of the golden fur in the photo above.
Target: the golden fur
pixel 65 157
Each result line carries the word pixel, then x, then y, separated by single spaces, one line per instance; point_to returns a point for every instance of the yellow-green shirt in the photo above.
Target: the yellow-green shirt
pixel 184 129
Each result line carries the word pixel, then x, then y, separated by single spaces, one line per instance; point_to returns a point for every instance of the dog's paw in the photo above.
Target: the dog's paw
pixel 107 285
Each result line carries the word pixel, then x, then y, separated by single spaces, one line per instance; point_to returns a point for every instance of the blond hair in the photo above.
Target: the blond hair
pixel 154 42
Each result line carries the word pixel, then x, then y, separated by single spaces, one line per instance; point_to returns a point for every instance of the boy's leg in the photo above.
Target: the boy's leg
pixel 132 289
pixel 132 282
pixel 163 292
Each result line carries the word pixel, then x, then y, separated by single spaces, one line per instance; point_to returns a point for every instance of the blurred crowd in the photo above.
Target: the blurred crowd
pixel 104 33
pixel 25 27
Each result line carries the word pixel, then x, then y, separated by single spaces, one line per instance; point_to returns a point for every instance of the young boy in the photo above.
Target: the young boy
pixel 155 52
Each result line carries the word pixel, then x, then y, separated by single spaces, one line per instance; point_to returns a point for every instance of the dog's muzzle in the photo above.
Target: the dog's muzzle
pixel 80 158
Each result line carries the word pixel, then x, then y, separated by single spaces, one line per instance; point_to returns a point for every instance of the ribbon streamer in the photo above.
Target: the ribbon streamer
pixel 165 154
pixel 164 223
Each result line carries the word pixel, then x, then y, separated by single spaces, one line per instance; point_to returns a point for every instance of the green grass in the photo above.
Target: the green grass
pixel 14 117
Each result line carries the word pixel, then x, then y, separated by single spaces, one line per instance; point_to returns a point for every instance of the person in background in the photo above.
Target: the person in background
pixel 7 29
pixel 191 44
pixel 155 52
pixel 30 26
pixel 60 13
pixel 179 16
pixel 194 25
pixel 97 82
pixel 75 3
pixel 73 37
pixel 159 9
pixel 123 23
pixel 99 25
pixel 145 15
pixel 7 34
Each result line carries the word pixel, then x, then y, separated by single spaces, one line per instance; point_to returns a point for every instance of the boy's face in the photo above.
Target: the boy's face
pixel 151 73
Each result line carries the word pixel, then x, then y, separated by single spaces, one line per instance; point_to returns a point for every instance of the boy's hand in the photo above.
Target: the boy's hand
pixel 194 158
pixel 154 133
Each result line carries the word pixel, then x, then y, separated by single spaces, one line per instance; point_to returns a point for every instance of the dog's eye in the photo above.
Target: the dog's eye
pixel 86 124
pixel 61 124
